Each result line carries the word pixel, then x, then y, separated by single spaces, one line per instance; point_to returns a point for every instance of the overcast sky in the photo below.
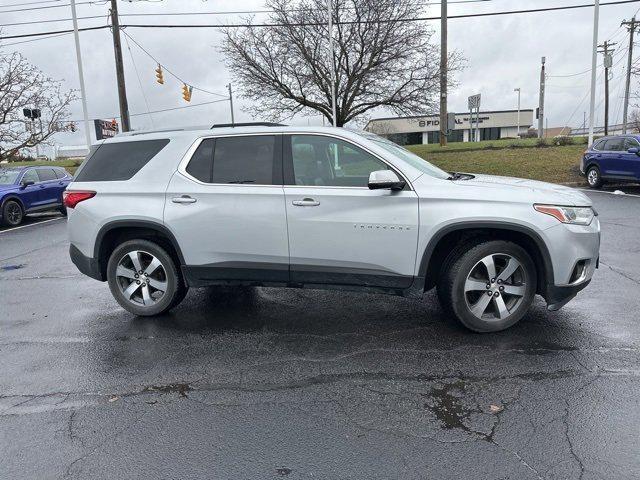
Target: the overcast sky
pixel 502 53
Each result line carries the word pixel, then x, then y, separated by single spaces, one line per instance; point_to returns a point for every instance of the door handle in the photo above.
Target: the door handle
pixel 184 199
pixel 306 202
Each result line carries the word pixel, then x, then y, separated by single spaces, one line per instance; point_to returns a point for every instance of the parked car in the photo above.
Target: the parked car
pixel 614 158
pixel 156 213
pixel 25 190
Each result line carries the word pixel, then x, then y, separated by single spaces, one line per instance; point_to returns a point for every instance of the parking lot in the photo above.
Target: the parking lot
pixel 258 383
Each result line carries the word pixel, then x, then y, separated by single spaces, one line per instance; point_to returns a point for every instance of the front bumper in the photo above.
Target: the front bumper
pixel 87 265
pixel 558 296
pixel 570 245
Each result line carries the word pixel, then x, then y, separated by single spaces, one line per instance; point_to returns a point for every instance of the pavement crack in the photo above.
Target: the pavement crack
pixel 620 272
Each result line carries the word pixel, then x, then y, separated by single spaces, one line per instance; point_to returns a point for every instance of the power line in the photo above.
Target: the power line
pixel 167 70
pixel 54 32
pixel 361 22
pixel 29 9
pixel 162 110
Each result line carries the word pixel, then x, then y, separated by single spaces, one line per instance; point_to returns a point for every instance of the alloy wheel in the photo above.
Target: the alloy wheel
pixel 14 213
pixel 141 277
pixel 592 177
pixel 495 287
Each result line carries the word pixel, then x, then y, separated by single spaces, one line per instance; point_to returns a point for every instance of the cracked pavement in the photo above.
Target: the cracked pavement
pixel 258 383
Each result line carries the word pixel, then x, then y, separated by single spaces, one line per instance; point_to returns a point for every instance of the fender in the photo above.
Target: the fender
pixel 495 225
pixel 158 227
pixel 12 196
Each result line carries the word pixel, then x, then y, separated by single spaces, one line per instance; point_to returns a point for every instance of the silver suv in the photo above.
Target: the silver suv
pixel 155 213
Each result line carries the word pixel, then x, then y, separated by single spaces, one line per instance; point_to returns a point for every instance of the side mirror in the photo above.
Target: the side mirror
pixel 26 183
pixel 634 150
pixel 385 179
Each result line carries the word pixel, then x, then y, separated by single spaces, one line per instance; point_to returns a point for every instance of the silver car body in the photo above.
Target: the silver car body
pixel 346 231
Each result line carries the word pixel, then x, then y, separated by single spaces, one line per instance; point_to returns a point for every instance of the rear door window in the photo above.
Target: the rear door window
pixel 46 174
pixel 60 173
pixel 119 161
pixel 614 145
pixel 253 160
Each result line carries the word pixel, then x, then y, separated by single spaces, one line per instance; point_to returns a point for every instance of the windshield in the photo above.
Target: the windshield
pixel 404 154
pixel 8 177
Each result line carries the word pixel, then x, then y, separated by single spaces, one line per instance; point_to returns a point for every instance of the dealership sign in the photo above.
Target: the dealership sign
pixel 105 128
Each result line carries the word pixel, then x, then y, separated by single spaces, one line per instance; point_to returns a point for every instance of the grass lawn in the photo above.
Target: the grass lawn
pixel 70 165
pixel 550 164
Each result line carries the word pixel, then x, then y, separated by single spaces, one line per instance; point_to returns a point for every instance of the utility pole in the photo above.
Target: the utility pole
pixel 117 48
pixel 608 62
pixel 83 92
pixel 332 62
pixel 594 64
pixel 231 103
pixel 518 128
pixel 443 73
pixel 631 26
pixel 541 104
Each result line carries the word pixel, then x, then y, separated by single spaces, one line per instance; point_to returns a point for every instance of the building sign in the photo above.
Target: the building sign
pixel 474 102
pixel 105 128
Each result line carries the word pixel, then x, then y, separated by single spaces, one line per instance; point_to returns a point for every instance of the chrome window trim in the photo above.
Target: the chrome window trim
pixel 186 158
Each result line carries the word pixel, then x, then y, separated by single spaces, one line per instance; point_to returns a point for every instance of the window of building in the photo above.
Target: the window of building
pixel 412 138
pixel 492 133
pixel 326 161
pixel 454 136
pixel 249 159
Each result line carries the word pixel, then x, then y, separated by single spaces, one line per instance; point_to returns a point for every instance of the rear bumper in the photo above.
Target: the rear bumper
pixel 87 265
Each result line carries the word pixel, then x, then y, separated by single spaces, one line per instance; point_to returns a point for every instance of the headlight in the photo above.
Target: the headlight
pixel 573 215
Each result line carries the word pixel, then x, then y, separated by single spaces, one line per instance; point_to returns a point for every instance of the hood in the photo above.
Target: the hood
pixel 7 187
pixel 511 188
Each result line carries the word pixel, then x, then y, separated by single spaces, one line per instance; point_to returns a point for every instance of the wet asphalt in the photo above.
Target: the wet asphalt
pixel 263 383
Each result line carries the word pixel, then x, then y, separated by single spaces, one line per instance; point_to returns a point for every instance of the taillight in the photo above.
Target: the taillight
pixel 71 198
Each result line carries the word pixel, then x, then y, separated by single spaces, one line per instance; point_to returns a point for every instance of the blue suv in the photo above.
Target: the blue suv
pixel 26 190
pixel 615 158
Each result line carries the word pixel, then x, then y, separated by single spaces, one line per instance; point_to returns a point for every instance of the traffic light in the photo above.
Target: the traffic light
pixel 186 92
pixel 159 77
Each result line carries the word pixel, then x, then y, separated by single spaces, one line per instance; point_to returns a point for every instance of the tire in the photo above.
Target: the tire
pixel 593 177
pixel 158 289
pixel 465 283
pixel 12 213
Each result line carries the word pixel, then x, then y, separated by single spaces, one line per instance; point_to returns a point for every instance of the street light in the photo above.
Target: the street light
pixel 518 90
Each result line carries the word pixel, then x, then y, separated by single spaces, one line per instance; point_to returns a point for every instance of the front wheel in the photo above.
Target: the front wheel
pixel 144 279
pixel 12 213
pixel 488 287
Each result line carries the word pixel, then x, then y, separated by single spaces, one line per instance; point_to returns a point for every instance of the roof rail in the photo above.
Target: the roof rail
pixel 248 124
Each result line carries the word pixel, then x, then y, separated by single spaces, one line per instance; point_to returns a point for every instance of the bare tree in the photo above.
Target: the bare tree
pixel 634 121
pixel 22 85
pixel 383 59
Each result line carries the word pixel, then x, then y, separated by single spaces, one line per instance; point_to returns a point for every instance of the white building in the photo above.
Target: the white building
pixel 71 151
pixel 426 129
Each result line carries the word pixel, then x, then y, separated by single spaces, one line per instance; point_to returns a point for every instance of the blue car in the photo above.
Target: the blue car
pixel 615 158
pixel 26 190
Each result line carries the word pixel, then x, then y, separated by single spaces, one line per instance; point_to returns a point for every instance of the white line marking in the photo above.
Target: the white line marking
pixel 31 225
pixel 610 193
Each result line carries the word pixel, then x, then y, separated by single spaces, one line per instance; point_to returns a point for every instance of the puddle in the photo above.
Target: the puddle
pixel 446 406
pixel 8 268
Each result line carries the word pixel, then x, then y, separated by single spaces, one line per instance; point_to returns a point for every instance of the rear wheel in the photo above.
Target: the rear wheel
pixel 593 177
pixel 144 279
pixel 488 287
pixel 12 213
